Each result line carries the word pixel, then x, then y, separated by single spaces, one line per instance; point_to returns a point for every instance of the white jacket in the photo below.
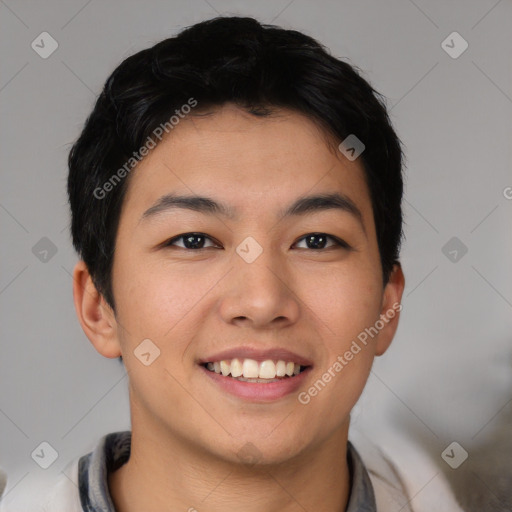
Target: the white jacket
pixel 390 488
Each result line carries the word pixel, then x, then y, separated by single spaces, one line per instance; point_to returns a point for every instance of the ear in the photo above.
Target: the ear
pixel 95 315
pixel 390 310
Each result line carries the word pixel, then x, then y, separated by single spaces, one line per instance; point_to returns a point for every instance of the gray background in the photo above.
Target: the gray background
pixel 448 374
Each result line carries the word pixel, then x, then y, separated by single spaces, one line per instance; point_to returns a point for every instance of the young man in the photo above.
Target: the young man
pixel 236 205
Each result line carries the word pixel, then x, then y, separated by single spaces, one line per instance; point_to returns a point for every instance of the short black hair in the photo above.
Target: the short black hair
pixel 222 60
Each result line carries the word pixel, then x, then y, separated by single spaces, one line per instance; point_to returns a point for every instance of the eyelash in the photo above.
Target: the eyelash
pixel 338 241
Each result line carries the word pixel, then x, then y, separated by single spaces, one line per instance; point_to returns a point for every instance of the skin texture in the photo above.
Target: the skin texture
pixel 186 432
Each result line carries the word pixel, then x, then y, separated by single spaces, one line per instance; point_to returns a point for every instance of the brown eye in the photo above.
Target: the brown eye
pixel 192 241
pixel 317 241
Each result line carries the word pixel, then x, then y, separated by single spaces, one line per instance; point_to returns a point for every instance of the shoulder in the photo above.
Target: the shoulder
pixel 45 492
pixel 389 488
pixel 396 483
pixel 64 494
pixel 83 483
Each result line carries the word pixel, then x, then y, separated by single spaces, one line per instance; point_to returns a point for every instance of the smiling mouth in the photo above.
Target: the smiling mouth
pixel 250 370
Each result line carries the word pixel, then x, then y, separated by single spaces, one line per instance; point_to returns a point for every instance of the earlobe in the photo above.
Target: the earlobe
pixel 391 307
pixel 95 316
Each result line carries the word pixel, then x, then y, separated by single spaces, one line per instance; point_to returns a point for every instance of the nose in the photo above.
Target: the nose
pixel 260 294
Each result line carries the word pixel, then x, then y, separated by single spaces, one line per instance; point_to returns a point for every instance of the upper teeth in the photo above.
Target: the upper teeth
pixel 251 369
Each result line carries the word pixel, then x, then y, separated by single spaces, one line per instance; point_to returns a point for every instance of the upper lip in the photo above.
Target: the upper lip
pixel 274 354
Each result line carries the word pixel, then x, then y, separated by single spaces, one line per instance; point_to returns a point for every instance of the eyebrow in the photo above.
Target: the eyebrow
pixel 302 206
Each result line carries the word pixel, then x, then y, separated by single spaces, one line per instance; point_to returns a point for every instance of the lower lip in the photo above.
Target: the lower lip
pixel 258 391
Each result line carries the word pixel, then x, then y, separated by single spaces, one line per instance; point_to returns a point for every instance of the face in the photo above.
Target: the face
pixel 248 280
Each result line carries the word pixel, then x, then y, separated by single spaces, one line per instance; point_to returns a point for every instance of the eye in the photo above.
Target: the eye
pixel 317 241
pixel 194 241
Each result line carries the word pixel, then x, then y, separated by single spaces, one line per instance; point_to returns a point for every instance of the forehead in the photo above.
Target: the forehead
pixel 248 162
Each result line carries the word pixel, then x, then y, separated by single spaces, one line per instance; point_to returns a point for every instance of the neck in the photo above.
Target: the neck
pixel 167 473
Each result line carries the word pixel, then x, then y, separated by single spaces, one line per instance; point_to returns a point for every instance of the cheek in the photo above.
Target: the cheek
pixel 346 302
pixel 159 302
pixel 154 306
